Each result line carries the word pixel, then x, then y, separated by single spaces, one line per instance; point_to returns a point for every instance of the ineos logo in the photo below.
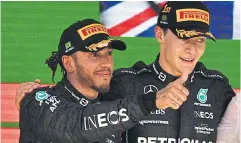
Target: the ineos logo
pixel 105 119
pixel 204 115
pixel 150 88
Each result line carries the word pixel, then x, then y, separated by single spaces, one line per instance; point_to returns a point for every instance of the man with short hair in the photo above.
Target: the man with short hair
pixel 182 28
pixel 181 31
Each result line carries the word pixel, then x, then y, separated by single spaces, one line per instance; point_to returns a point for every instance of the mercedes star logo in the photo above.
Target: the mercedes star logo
pixel 150 88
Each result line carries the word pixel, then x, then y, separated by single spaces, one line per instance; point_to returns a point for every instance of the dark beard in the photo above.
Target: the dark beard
pixel 84 79
pixel 101 89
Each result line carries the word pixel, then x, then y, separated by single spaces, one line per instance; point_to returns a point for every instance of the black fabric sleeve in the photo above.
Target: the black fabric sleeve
pixel 147 102
pixel 59 120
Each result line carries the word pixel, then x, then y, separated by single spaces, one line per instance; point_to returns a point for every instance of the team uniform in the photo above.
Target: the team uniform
pixel 196 121
pixel 60 114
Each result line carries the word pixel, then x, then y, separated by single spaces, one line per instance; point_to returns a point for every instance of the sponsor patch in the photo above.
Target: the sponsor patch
pixel 102 44
pixel 44 97
pixel 82 101
pixel 209 75
pixel 189 33
pixel 192 15
pixel 150 88
pixel 91 29
pixel 203 129
pixel 202 95
pixel 68 45
pixel 41 96
pixel 142 122
pixel 169 140
pixel 105 119
pixel 204 115
pixel 166 9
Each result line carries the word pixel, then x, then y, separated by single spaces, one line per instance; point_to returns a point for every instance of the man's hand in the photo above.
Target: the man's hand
pixel 173 95
pixel 24 88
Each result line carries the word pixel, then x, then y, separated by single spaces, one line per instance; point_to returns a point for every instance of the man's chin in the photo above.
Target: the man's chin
pixel 187 69
pixel 102 88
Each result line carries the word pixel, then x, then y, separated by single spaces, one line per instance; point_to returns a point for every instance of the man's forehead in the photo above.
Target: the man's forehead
pixel 198 38
pixel 169 32
pixel 102 51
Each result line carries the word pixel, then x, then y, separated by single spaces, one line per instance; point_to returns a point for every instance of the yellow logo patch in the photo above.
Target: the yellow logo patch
pixel 192 15
pixel 183 33
pixel 90 30
pixel 166 9
pixel 94 47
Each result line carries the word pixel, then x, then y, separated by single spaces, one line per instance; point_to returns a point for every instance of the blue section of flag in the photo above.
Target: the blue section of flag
pixel 148 33
pixel 221 18
pixel 108 4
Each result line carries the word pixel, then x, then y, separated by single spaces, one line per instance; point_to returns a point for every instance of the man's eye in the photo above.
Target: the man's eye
pixel 200 40
pixel 94 54
pixel 109 53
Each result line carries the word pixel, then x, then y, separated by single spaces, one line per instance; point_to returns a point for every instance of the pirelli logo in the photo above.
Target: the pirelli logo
pixel 90 30
pixel 192 15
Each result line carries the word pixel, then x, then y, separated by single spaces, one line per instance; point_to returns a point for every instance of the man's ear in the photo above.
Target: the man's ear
pixel 68 63
pixel 159 34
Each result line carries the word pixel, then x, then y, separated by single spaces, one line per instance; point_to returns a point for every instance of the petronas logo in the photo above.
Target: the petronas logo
pixel 41 95
pixel 202 95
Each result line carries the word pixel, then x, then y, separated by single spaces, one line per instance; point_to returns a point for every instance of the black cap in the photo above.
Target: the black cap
pixel 87 35
pixel 186 19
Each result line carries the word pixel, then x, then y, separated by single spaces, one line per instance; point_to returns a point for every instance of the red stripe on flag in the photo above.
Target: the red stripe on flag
pixel 125 26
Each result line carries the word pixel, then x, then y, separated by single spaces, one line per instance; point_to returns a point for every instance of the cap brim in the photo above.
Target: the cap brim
pixel 118 44
pixel 112 43
pixel 186 33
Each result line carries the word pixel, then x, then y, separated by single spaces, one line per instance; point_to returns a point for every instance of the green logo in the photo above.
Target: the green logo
pixel 202 95
pixel 68 45
pixel 164 17
pixel 41 95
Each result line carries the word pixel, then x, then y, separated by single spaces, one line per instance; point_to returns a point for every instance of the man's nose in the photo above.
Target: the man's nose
pixel 106 61
pixel 191 48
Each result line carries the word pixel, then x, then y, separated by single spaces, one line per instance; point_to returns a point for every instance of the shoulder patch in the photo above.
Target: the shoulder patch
pixel 44 96
pixel 41 96
pixel 138 68
pixel 203 71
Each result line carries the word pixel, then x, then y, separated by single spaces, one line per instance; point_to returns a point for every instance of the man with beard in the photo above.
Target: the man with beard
pixel 181 31
pixel 73 110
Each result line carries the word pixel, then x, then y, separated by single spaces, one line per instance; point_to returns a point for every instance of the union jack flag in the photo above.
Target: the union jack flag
pixel 139 18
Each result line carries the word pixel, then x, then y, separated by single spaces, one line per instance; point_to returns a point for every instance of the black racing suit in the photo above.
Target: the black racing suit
pixel 60 114
pixel 197 119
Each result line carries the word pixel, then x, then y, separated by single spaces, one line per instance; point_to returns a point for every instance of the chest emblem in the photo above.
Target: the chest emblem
pixel 150 88
pixel 202 95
